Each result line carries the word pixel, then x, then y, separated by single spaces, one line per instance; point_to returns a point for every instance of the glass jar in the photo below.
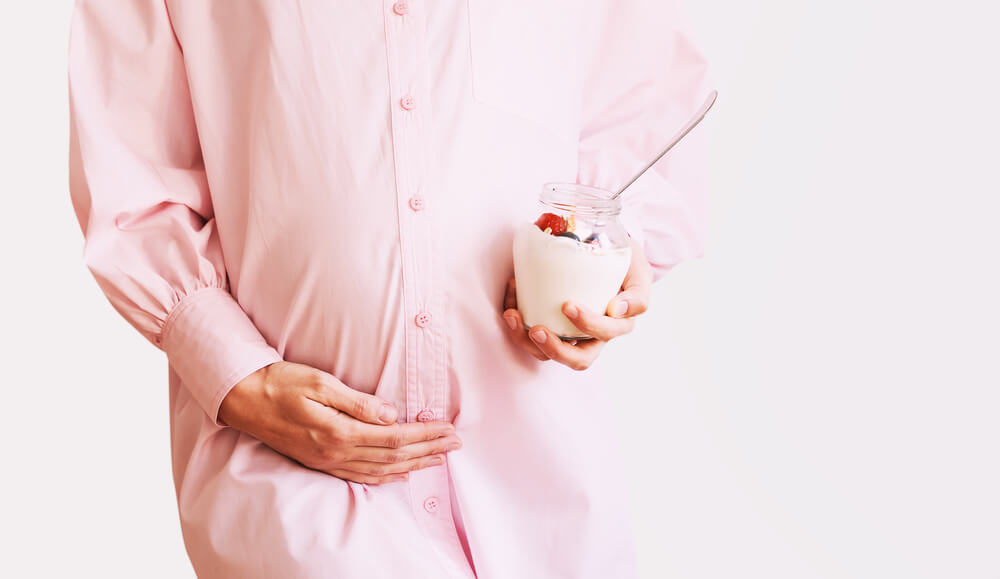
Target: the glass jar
pixel 575 250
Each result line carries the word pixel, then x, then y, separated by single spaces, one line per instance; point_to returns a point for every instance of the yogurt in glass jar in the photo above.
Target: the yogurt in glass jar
pixel 576 250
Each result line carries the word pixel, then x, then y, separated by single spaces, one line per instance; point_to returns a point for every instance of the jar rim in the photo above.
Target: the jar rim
pixel 580 199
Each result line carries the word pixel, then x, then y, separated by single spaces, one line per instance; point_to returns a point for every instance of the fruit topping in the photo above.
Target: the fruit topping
pixel 551 221
pixel 569 234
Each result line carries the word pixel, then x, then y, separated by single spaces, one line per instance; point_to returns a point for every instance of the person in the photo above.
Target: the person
pixel 309 206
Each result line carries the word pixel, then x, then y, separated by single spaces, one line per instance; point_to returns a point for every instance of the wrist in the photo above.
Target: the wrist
pixel 243 396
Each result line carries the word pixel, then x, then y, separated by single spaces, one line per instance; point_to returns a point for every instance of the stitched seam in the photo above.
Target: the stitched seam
pixel 186 303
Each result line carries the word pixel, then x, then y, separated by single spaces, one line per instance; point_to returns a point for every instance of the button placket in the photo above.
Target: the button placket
pixel 430 493
pixel 425 350
pixel 415 233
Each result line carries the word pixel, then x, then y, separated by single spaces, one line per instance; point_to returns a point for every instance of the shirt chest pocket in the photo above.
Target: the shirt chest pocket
pixel 526 60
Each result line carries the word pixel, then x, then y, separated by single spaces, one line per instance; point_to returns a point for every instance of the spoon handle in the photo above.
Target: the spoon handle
pixel 698 116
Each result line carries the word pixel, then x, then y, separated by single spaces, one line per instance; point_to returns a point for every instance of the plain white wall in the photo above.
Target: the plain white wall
pixel 828 394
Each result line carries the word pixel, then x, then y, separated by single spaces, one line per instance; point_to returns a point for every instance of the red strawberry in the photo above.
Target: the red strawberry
pixel 551 221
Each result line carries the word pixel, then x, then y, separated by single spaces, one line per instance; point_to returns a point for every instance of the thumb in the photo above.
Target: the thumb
pixel 364 407
pixel 629 303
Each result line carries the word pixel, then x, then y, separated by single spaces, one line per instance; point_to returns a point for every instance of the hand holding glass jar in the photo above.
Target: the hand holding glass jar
pixel 579 278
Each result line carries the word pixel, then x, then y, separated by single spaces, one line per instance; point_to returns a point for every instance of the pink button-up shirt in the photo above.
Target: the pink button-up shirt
pixel 337 184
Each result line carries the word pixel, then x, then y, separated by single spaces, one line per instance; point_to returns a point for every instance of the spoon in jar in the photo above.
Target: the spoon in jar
pixel 698 116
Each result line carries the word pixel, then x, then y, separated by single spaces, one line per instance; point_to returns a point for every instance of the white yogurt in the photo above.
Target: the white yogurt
pixel 551 271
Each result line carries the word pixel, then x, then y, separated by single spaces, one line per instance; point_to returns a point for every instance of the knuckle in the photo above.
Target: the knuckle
pixel 361 406
pixel 427 432
pixel 332 435
pixel 334 439
pixel 343 435
pixel 316 381
pixel 395 437
pixel 320 449
pixel 320 455
pixel 325 451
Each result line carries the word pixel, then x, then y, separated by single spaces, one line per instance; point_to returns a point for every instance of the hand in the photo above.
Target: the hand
pixel 618 320
pixel 310 416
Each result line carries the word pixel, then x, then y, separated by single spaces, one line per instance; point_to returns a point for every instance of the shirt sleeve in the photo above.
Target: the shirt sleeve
pixel 139 189
pixel 643 80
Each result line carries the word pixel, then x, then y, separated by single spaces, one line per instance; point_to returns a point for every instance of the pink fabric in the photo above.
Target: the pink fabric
pixel 337 184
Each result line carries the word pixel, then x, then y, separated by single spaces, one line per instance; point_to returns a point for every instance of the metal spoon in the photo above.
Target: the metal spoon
pixel 698 116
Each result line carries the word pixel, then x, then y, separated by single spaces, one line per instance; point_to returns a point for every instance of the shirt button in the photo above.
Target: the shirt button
pixel 407 103
pixel 401 8
pixel 425 415
pixel 431 504
pixel 422 320
pixel 417 203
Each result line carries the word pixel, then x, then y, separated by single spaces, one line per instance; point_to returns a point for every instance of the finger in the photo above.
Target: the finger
pixel 517 333
pixel 395 435
pixel 367 479
pixel 634 297
pixel 597 325
pixel 629 303
pixel 578 357
pixel 510 296
pixel 408 452
pixel 391 468
pixel 362 406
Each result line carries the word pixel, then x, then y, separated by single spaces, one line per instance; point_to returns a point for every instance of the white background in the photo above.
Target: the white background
pixel 830 403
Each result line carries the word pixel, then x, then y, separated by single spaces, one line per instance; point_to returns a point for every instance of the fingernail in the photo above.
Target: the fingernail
pixel 453 446
pixel 400 478
pixel 538 336
pixel 511 321
pixel 572 312
pixel 437 460
pixel 620 309
pixel 387 413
